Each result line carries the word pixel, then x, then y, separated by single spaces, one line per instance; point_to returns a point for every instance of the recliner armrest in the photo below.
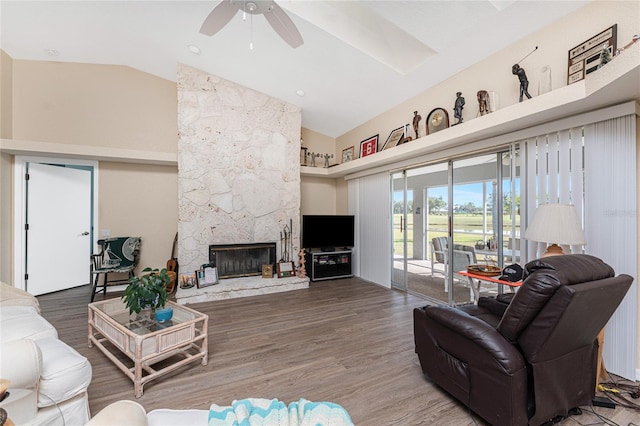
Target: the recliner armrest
pixel 457 329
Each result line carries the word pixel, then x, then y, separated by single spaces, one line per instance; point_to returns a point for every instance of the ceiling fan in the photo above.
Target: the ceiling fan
pixel 276 16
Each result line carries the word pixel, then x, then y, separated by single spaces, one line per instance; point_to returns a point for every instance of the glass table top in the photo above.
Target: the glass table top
pixel 144 322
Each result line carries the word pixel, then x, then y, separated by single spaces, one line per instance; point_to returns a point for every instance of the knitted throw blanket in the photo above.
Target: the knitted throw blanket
pixel 271 412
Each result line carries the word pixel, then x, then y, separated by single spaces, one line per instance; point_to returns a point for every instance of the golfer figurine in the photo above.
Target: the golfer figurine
pixel 458 107
pixel 416 122
pixel 524 82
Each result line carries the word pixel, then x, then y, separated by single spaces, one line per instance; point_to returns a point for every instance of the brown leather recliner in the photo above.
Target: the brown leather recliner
pixel 530 359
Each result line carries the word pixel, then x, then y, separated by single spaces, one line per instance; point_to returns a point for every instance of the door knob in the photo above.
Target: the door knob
pixel 85 233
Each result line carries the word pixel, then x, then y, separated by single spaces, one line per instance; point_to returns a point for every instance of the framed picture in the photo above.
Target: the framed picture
pixel 395 137
pixel 206 276
pixel 369 146
pixel 267 271
pixel 285 269
pixel 347 154
pixel 303 156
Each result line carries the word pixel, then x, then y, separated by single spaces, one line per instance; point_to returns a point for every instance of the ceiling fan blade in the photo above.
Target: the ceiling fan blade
pixel 284 26
pixel 218 17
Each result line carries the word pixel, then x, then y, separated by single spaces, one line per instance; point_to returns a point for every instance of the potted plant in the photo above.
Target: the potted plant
pixel 148 291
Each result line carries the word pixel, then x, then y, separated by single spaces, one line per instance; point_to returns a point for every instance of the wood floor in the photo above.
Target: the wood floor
pixel 345 341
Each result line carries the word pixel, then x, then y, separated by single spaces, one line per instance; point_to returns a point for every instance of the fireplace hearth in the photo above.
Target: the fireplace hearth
pixel 241 260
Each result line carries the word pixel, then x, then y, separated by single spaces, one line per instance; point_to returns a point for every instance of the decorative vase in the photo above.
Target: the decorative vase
pixel 164 314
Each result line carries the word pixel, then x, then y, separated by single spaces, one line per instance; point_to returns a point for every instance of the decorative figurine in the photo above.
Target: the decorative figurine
pixel 416 122
pixel 313 156
pixel 302 271
pixel 524 82
pixel 522 76
pixel 458 107
pixel 605 56
pixel 326 159
pixel 483 102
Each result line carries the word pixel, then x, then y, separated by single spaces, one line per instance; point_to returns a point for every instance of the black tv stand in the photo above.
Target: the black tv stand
pixel 327 265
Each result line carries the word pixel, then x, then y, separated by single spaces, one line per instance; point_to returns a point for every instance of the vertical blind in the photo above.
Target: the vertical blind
pixel 593 167
pixel 372 208
pixel 611 226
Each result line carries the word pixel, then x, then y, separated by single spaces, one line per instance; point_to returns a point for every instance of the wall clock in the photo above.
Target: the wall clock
pixel 437 119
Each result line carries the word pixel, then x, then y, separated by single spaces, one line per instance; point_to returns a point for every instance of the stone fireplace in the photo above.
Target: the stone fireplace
pixel 238 167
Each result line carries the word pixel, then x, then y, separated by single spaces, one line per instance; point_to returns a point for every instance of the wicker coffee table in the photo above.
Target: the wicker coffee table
pixel 146 342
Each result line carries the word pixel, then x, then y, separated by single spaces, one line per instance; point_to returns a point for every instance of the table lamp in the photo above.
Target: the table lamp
pixel 555 224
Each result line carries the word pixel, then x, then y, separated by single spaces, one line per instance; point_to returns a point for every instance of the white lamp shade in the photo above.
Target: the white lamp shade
pixel 556 223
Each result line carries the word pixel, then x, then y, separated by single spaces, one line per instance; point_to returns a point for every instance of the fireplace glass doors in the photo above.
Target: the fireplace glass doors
pixel 242 260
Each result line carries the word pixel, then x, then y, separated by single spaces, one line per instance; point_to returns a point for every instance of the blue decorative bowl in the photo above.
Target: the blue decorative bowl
pixel 164 314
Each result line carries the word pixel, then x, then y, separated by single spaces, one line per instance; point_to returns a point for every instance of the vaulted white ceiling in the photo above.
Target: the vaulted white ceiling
pixel 359 58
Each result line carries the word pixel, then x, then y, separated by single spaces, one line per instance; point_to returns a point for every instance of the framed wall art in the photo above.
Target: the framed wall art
pixel 369 146
pixel 347 154
pixel 585 57
pixel 395 137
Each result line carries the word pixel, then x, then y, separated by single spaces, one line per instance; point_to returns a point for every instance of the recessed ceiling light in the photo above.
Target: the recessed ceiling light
pixel 51 52
pixel 300 92
pixel 194 49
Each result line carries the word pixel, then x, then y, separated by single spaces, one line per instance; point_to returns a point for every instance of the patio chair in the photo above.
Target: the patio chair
pixel 463 256
pixel 118 255
pixel 438 249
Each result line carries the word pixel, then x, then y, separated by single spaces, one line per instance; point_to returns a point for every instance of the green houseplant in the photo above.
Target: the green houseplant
pixel 148 291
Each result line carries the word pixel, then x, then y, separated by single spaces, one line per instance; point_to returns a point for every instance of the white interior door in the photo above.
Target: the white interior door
pixel 58 215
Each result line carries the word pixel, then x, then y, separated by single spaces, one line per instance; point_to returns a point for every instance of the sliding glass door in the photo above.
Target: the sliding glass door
pixel 399 234
pixel 449 215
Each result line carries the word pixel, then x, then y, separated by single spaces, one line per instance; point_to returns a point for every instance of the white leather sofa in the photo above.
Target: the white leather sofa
pixel 49 379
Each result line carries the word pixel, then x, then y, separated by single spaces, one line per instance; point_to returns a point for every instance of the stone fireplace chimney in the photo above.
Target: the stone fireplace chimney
pixel 238 166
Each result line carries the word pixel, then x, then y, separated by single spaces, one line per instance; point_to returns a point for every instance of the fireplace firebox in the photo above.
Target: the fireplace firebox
pixel 241 260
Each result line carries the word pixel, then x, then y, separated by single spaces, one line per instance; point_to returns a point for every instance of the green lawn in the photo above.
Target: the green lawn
pixel 463 223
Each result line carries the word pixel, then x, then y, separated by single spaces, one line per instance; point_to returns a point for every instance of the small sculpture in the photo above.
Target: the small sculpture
pixel 326 159
pixel 605 56
pixel 524 82
pixel 302 271
pixel 416 122
pixel 483 102
pixel 458 107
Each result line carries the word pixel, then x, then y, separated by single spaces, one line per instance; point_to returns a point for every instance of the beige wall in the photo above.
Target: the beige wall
pixel 96 105
pixel 6 236
pixel 6 95
pixel 6 217
pixel 140 200
pixel 318 195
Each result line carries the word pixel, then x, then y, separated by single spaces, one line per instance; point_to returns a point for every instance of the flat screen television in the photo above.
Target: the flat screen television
pixel 328 232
